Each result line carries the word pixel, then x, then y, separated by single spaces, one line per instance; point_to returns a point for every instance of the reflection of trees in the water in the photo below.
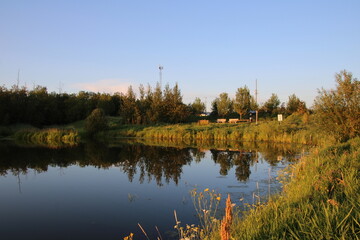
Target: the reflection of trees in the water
pixel 151 162
pixel 273 153
pixel 242 160
pixel 146 163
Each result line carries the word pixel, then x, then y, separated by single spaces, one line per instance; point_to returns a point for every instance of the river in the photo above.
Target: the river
pixel 102 191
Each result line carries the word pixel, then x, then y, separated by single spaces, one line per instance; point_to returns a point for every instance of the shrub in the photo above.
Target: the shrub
pixel 96 122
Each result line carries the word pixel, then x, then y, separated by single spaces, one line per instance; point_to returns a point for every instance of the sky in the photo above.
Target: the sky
pixel 207 47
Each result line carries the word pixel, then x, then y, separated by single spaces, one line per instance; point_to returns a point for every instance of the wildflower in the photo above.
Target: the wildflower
pixel 333 202
pixel 218 198
pixel 205 211
pixel 130 237
pixel 206 190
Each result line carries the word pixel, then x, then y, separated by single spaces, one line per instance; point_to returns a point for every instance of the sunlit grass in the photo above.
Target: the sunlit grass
pixel 52 137
pixel 320 200
pixel 291 130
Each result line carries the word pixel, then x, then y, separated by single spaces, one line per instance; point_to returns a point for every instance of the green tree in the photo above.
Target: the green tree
pixel 104 101
pixel 197 107
pixel 294 104
pixel 156 106
pixel 272 104
pixel 224 105
pixel 338 111
pixel 128 107
pixel 96 122
pixel 242 101
pixel 214 108
pixel 175 110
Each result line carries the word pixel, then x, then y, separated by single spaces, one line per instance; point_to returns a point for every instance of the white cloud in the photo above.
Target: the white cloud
pixel 104 86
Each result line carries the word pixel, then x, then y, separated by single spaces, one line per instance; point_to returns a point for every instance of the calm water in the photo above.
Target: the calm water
pixel 95 191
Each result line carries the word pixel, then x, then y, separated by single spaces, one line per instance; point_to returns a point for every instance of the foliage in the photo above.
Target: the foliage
pixel 40 108
pixel 223 105
pixel 197 107
pixel 296 128
pixel 96 122
pixel 52 137
pixel 272 104
pixel 206 205
pixel 319 201
pixel 242 102
pixel 129 107
pixel 338 110
pixel 294 104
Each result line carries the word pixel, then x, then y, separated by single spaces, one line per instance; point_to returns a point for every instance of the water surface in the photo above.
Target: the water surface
pixel 94 191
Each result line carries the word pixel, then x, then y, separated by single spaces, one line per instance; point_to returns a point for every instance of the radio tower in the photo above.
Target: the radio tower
pixel 160 74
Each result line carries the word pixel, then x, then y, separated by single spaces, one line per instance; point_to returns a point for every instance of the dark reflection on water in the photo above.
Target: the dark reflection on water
pixel 98 191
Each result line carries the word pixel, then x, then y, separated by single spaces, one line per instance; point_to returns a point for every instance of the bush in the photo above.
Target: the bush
pixel 96 122
pixel 337 111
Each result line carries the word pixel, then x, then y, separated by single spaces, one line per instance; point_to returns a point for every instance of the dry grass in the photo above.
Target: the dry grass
pixel 227 220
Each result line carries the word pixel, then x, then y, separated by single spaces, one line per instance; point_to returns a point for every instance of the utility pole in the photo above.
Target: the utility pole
pixel 206 105
pixel 18 78
pixel 160 74
pixel 256 91
pixel 60 87
pixel 256 100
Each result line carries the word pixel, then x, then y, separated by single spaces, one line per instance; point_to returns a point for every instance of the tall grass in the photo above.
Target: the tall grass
pixel 320 200
pixel 294 129
pixel 52 137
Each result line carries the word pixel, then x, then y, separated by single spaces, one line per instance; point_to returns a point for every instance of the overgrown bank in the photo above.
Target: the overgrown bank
pixel 320 200
pixel 294 129
pixel 297 128
pixel 51 137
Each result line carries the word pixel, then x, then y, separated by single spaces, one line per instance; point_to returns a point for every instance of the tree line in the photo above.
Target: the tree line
pixel 244 102
pixel 336 110
pixel 40 108
pixel 153 105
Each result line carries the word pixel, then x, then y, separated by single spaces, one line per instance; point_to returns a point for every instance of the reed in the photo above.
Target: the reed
pixel 227 220
pixel 291 130
pixel 52 137
pixel 320 200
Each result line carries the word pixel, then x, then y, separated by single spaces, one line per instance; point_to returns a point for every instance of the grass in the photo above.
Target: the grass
pixel 321 194
pixel 54 136
pixel 51 137
pixel 294 129
pixel 320 200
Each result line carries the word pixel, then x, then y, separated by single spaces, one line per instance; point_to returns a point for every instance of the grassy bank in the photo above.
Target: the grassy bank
pixel 294 129
pixel 51 137
pixel 320 200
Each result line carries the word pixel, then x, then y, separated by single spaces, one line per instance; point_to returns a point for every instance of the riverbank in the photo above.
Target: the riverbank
pixel 294 129
pixel 51 136
pixel 321 192
pixel 320 200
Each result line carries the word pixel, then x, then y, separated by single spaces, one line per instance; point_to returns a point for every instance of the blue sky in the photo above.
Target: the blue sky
pixel 207 47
